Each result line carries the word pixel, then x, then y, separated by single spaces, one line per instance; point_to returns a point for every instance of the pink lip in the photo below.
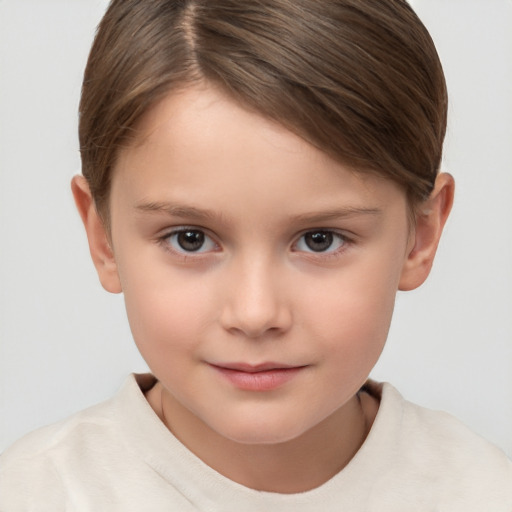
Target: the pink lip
pixel 260 377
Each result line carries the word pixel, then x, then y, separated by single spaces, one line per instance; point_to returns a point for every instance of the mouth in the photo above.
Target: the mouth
pixel 259 377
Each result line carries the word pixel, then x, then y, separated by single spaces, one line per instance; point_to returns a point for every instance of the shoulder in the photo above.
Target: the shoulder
pixel 49 440
pixel 448 458
pixel 47 463
pixel 32 466
pixel 439 436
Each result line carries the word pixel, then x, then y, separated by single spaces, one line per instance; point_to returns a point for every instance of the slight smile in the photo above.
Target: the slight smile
pixel 260 377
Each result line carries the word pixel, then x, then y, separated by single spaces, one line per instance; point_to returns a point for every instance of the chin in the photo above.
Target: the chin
pixel 260 432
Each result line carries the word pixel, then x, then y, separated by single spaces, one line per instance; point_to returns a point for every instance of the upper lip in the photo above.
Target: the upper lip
pixel 255 368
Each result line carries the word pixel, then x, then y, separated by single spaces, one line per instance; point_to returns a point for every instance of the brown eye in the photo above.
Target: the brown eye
pixel 320 241
pixel 190 241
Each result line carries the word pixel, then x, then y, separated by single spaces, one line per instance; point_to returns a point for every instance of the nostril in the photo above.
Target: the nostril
pixel 256 323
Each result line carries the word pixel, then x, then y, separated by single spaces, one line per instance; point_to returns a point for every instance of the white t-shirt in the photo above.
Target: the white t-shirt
pixel 119 456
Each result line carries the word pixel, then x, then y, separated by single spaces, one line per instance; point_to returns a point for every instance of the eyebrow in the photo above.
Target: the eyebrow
pixel 200 214
pixel 176 210
pixel 341 213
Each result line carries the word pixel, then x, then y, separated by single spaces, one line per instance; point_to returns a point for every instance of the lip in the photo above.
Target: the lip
pixel 257 377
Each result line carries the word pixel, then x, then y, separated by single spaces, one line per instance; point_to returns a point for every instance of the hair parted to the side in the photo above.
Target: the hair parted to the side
pixel 359 79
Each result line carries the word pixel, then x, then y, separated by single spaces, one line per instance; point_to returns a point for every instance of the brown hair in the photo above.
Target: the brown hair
pixel 359 79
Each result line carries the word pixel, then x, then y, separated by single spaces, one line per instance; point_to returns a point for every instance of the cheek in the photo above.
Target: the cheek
pixel 166 316
pixel 353 318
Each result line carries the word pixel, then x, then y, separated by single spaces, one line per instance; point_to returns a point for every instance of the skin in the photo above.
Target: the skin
pixel 255 292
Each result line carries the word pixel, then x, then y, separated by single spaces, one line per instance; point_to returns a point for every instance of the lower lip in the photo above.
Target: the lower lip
pixel 259 381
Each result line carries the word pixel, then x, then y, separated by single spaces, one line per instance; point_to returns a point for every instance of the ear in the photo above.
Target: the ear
pixel 430 220
pixel 99 243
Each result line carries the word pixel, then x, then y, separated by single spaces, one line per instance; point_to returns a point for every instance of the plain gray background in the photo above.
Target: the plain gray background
pixel 65 343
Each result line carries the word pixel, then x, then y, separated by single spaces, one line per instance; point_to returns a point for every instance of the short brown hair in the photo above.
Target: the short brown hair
pixel 359 79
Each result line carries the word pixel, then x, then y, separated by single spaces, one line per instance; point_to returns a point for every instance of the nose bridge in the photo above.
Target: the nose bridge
pixel 256 301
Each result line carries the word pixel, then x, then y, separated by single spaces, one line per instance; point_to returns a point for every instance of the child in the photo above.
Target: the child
pixel 259 179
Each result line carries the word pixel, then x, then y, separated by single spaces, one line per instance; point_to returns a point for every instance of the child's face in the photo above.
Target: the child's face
pixel 241 248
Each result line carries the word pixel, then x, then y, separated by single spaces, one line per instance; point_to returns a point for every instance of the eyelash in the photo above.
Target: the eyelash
pixel 165 241
pixel 343 239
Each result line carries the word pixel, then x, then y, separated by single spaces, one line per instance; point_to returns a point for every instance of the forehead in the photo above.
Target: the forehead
pixel 203 116
pixel 198 144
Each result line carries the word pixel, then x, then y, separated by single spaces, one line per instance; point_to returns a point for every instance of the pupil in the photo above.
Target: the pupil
pixel 319 241
pixel 191 240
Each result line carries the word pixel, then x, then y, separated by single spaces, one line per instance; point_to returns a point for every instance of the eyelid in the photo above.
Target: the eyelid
pixel 162 239
pixel 347 241
pixel 176 230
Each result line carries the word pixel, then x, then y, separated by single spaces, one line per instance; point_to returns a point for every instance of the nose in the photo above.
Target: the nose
pixel 255 300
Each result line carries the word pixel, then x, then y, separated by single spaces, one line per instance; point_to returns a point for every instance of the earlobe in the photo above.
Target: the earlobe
pixel 99 244
pixel 430 221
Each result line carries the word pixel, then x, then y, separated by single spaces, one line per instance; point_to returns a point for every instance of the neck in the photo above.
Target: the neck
pixel 298 465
